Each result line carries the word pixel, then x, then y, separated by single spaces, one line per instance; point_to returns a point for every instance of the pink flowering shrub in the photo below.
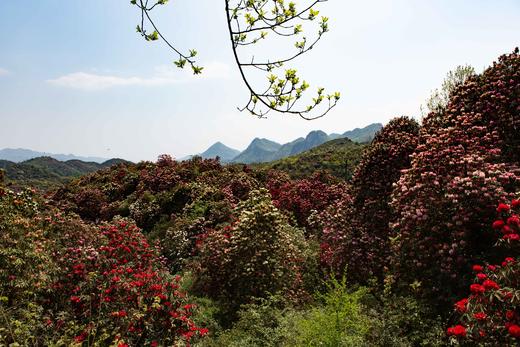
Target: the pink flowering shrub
pixel 461 166
pixel 301 197
pixel 355 228
pixel 491 313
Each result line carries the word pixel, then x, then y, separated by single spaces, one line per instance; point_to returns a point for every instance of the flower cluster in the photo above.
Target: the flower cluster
pixel 491 314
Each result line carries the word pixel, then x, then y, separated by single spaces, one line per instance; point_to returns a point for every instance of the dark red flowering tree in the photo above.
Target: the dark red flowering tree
pixel 356 231
pixel 462 166
pixel 490 315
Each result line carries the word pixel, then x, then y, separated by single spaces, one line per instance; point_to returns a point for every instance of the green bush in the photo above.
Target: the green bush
pixel 337 319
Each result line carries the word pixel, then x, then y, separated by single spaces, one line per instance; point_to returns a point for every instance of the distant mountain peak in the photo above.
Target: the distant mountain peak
pixel 218 149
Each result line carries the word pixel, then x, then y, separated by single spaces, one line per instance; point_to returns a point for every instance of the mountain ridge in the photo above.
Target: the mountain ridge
pixel 262 150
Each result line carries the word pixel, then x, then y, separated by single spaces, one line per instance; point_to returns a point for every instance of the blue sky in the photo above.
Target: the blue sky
pixel 76 78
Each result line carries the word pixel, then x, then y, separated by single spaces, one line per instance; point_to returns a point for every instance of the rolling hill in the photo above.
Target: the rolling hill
pixel 47 173
pixel 338 157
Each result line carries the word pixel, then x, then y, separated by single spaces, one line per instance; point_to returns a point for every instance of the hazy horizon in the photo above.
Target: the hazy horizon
pixel 76 78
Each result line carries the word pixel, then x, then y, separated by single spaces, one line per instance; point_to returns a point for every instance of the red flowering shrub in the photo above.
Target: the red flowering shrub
pixel 258 254
pixel 491 314
pixel 462 165
pixel 355 230
pixel 115 289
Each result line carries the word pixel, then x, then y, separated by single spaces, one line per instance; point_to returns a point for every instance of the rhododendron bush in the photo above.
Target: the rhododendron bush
pixel 491 313
pixel 462 166
pixel 257 254
pixel 355 229
pixel 62 281
pixel 115 288
pixel 301 197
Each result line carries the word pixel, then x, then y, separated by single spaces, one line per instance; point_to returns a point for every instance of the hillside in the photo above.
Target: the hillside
pixel 46 173
pixel 338 157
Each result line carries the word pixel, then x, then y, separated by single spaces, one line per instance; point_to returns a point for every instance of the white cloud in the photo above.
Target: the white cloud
pixel 163 75
pixel 3 72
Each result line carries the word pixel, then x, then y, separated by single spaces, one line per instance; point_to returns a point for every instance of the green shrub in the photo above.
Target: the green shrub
pixel 339 320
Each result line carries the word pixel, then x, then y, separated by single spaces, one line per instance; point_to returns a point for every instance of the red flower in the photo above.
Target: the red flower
pixel 478 268
pixel 489 284
pixel 514 330
pixel 203 331
pixel 75 299
pixel 503 208
pixel 480 316
pixel 510 315
pixel 515 203
pixel 497 225
pixel 477 289
pixel 512 237
pixel 491 267
pixel 513 220
pixel 457 330
pixel 461 305
pixel 80 338
pixel 481 276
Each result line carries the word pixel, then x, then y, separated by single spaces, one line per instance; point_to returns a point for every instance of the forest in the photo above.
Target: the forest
pixel 417 245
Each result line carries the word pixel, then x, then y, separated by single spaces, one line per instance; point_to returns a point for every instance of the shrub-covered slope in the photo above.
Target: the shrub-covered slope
pixel 337 157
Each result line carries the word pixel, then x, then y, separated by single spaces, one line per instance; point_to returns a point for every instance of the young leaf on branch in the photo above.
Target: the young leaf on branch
pixel 250 22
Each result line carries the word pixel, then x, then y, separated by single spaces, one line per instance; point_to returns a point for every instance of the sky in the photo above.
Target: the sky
pixel 75 77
